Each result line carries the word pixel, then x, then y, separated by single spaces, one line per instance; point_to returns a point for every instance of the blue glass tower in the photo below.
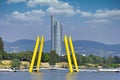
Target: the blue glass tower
pixel 56 35
pixel 52 33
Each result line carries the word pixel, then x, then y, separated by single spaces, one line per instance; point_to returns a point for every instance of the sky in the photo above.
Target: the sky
pixel 95 20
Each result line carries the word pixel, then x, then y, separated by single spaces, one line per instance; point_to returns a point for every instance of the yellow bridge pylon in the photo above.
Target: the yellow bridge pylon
pixel 39 43
pixel 68 53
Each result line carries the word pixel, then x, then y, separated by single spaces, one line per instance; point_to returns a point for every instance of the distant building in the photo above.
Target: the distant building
pixel 52 33
pixel 56 35
pixel 83 54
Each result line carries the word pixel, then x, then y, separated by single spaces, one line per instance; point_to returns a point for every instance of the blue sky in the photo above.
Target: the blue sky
pixel 96 20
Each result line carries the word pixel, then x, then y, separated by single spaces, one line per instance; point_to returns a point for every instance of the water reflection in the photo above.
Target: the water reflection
pixel 37 76
pixel 71 76
pixel 53 75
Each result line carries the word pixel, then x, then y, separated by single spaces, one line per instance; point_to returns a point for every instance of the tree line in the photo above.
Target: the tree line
pixel 52 58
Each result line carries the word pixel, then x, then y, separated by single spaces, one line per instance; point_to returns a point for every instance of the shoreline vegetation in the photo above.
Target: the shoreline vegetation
pixel 6 67
pixel 6 64
pixel 22 60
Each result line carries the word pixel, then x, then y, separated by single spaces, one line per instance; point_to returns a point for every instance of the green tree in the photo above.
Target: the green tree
pixel 1 49
pixel 45 57
pixel 79 59
pixel 109 60
pixel 4 55
pixel 25 56
pixel 0 56
pixel 117 59
pixel 1 44
pixel 53 58
pixel 63 58
pixel 95 59
pixel 84 60
pixel 15 63
pixel 1 52
pixel 11 56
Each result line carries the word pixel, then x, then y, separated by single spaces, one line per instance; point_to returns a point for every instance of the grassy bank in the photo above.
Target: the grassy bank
pixel 7 64
pixel 24 64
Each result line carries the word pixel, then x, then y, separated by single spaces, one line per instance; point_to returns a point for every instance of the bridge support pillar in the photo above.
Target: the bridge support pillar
pixel 37 44
pixel 68 53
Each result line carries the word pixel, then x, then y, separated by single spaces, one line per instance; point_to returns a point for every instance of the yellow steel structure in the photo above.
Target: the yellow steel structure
pixel 41 43
pixel 68 53
pixel 73 54
pixel 35 52
pixel 40 54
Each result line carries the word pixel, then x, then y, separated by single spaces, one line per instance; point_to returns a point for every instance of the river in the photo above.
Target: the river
pixel 59 75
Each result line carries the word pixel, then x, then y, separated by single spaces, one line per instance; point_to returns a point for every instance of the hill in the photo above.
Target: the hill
pixel 81 47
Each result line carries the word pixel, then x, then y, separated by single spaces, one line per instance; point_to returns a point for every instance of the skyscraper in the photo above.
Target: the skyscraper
pixel 52 33
pixel 56 35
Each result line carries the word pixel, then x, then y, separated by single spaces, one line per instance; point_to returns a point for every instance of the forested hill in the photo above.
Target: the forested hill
pixel 81 47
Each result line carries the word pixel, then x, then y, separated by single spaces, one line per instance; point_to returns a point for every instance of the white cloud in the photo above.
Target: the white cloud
pixel 101 16
pixel 29 17
pixel 84 13
pixel 53 10
pixel 107 13
pixel 58 7
pixel 33 3
pixel 98 21
pixel 16 1
pixel 101 13
pixel 54 6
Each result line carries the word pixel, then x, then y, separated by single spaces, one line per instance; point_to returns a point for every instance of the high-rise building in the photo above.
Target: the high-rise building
pixel 56 35
pixel 52 33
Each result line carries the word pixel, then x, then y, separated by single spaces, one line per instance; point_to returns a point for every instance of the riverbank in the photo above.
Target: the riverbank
pixel 5 66
pixel 81 70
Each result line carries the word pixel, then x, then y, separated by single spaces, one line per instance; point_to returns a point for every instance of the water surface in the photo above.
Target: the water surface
pixel 59 75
